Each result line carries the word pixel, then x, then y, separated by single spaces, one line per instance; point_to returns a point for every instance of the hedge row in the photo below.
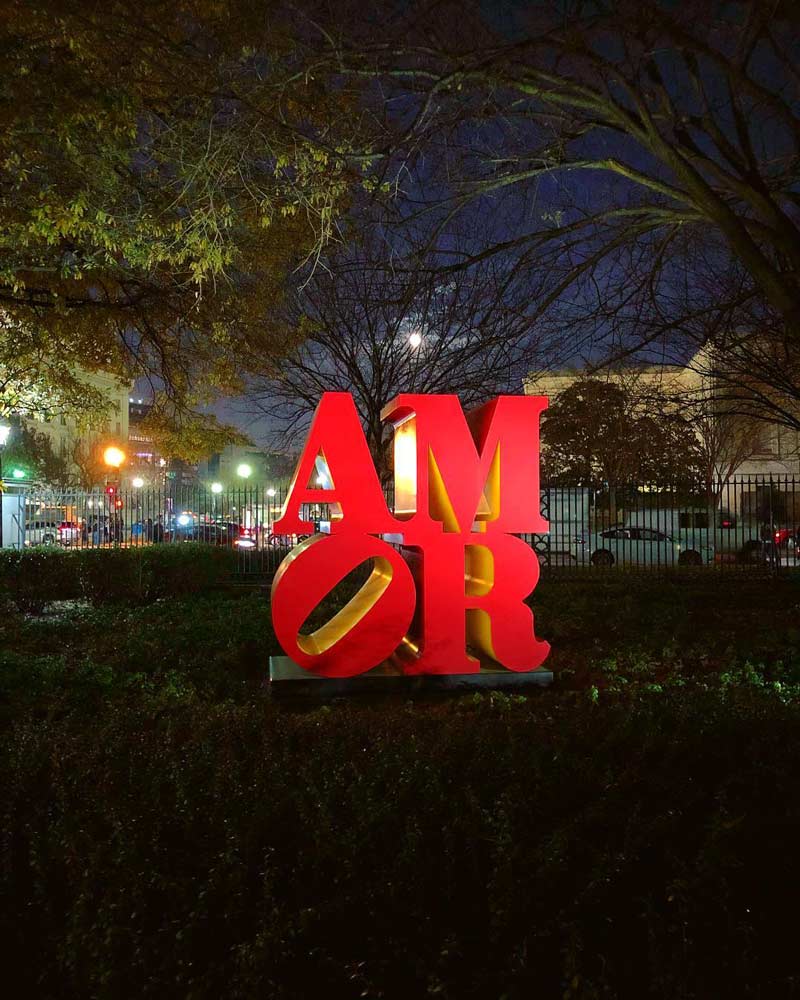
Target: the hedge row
pixel 485 848
pixel 34 577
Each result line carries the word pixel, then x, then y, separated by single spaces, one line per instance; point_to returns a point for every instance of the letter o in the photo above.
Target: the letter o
pixel 368 629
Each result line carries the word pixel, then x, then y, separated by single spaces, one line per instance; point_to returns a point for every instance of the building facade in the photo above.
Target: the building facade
pixel 771 449
pixel 80 443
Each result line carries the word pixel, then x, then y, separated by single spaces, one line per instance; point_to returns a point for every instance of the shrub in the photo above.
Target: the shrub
pixel 485 847
pixel 34 577
pixel 165 831
pixel 114 575
pixel 146 574
pixel 180 570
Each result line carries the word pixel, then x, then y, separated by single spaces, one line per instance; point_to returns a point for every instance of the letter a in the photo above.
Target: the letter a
pixel 359 504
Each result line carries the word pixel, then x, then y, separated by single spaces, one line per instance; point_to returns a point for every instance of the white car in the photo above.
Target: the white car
pixel 631 545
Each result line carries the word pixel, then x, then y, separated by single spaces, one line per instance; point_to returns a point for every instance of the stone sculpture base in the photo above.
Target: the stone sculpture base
pixel 287 679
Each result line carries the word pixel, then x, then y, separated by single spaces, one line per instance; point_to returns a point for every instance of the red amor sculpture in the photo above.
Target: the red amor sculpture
pixel 465 485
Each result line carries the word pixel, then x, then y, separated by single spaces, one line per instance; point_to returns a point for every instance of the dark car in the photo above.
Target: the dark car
pixel 238 535
pixel 210 533
pixel 786 537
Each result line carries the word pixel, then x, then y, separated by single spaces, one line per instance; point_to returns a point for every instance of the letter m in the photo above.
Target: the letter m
pixel 455 468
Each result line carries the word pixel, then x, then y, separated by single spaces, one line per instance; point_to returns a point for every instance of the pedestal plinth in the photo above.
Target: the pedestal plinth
pixel 288 679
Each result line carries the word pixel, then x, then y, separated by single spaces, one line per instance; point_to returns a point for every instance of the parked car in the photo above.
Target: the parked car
pixel 236 534
pixel 634 545
pixel 731 535
pixel 69 533
pixel 211 533
pixel 247 538
pixel 41 532
pixel 787 538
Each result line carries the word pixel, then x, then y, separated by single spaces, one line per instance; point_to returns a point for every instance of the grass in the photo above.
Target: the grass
pixel 631 831
pixel 218 644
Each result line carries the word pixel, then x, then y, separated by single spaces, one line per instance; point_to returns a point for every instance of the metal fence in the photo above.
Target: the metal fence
pixel 745 523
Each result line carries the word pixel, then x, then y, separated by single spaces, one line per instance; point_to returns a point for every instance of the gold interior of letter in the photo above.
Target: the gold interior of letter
pixel 351 614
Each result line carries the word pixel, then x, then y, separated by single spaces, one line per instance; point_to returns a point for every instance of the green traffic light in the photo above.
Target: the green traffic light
pixel 18 473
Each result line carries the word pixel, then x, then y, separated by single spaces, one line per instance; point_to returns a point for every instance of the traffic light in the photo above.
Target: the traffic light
pixel 119 503
pixel 111 491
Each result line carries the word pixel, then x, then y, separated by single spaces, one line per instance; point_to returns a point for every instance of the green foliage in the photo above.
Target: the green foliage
pixel 147 574
pixel 32 452
pixel 188 436
pixel 212 645
pixel 601 431
pixel 158 845
pixel 34 577
pixel 42 374
pixel 168 831
pixel 158 187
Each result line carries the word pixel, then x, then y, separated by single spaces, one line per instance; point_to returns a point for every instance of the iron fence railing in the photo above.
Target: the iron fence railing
pixel 746 522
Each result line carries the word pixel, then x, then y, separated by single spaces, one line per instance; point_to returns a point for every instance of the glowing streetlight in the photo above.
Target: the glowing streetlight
pixel 216 487
pixel 244 471
pixel 415 339
pixel 138 483
pixel 114 457
pixel 270 492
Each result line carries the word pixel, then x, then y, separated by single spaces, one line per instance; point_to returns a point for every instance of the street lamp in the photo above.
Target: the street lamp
pixel 113 457
pixel 270 492
pixel 244 471
pixel 137 483
pixel 216 487
pixel 5 430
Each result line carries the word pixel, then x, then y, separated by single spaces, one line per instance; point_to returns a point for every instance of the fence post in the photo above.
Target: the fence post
pixel 773 548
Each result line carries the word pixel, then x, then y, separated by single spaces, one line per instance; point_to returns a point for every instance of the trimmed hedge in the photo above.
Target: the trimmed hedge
pixel 34 577
pixel 483 848
pixel 167 832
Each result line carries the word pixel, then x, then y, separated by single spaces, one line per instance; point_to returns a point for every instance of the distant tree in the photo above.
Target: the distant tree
pixel 602 432
pixel 377 321
pixel 724 442
pixel 187 436
pixel 86 454
pixel 32 452
pixel 650 148
pixel 280 465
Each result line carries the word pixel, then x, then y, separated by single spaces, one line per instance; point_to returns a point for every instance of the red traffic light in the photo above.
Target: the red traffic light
pixel 119 503
pixel 111 490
